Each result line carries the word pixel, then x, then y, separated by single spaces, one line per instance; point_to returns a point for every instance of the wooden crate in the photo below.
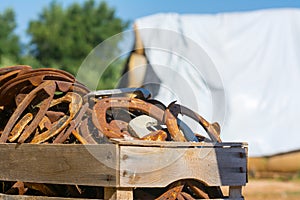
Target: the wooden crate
pixel 124 165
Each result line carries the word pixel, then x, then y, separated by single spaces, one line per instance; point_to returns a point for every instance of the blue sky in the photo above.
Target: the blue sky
pixel 27 10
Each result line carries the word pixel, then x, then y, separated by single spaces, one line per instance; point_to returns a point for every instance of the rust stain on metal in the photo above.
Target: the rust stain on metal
pixel 17 130
pixel 213 129
pixel 51 106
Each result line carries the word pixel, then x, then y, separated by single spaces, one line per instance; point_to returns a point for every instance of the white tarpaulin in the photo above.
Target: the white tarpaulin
pixel 256 63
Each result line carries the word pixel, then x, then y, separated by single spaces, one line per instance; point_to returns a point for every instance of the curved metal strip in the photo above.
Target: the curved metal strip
pixel 101 107
pixel 19 110
pixel 213 130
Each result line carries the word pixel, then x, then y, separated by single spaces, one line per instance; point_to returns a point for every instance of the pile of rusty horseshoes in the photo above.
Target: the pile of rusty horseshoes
pixel 50 106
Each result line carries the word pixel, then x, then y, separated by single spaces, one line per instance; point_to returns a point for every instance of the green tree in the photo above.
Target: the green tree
pixel 63 37
pixel 9 41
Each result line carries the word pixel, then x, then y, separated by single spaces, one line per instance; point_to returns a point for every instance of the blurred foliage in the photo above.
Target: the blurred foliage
pixel 6 61
pixel 112 74
pixel 63 37
pixel 9 42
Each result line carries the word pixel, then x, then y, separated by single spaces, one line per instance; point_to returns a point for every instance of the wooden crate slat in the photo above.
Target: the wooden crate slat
pixel 158 167
pixel 146 143
pixel 27 197
pixel 59 164
pixel 118 193
pixel 125 164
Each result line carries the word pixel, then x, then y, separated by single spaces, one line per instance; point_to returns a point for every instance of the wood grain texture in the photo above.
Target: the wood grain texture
pixel 26 197
pixel 235 192
pixel 179 144
pixel 122 165
pixel 138 46
pixel 118 193
pixel 59 164
pixel 137 68
pixel 158 167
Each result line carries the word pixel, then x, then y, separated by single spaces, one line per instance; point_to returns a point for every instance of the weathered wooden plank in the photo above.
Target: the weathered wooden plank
pixel 140 166
pixel 59 164
pixel 25 197
pixel 118 193
pixel 230 199
pixel 179 144
pixel 109 192
pixel 137 69
pixel 138 46
pixel 235 192
pixel 158 167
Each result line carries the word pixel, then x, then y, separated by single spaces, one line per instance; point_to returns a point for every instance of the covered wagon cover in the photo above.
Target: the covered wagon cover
pixel 240 69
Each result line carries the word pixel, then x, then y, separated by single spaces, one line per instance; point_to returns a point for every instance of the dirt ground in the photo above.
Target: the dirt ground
pixel 271 189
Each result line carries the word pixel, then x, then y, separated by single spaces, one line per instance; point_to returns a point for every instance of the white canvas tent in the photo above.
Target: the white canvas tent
pixel 240 69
